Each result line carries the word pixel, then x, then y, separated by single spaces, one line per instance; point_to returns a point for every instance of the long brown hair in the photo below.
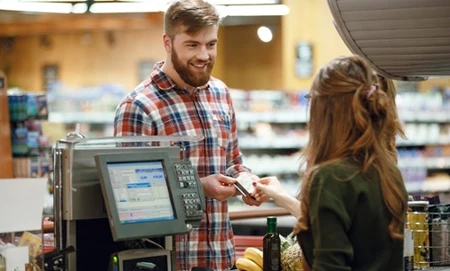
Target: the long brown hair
pixel 351 117
pixel 388 86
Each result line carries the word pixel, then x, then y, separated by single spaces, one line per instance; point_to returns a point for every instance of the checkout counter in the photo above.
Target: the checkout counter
pixel 118 201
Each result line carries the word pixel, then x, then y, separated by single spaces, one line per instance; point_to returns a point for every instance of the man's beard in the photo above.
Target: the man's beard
pixel 194 79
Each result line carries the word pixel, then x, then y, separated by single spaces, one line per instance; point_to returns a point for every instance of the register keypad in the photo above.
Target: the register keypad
pixel 186 175
pixel 191 200
pixel 192 204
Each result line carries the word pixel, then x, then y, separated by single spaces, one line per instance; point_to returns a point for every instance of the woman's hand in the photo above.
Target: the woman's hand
pixel 268 187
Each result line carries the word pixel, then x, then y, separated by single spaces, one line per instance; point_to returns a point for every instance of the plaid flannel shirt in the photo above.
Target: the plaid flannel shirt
pixel 159 107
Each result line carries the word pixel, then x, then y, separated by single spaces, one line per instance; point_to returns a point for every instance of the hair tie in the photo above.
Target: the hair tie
pixel 371 90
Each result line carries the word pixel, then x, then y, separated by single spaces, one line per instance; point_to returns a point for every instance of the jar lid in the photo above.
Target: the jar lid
pixel 419 203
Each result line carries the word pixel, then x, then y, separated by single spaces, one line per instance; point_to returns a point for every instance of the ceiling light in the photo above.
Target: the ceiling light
pixel 243 2
pixel 126 7
pixel 79 8
pixel 239 10
pixel 53 1
pixel 265 34
pixel 215 2
pixel 145 7
pixel 255 10
pixel 36 7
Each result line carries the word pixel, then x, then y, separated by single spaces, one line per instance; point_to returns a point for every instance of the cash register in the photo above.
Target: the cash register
pixel 118 205
pixel 148 195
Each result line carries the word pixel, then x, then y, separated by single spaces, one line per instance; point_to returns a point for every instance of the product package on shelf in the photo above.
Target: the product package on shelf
pixel 27 106
pixel 30 147
pixel 32 167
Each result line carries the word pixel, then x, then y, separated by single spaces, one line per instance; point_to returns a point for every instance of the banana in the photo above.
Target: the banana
pixel 245 264
pixel 255 255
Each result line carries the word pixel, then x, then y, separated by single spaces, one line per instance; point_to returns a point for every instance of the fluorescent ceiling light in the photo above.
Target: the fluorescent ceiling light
pixel 255 10
pixel 215 2
pixel 36 7
pixel 243 2
pixel 144 7
pixel 79 8
pixel 238 10
pixel 127 7
pixel 58 1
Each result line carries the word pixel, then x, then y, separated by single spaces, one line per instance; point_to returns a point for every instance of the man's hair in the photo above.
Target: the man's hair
pixel 194 15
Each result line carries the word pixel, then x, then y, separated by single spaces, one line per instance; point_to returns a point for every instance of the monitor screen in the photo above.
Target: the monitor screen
pixel 145 194
pixel 140 191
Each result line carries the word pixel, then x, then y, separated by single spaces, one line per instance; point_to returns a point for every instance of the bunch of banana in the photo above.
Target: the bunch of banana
pixel 252 260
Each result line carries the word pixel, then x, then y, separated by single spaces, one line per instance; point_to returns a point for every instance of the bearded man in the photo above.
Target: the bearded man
pixel 180 97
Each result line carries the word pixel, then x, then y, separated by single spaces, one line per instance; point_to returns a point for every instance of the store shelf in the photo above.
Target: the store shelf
pixel 299 115
pixel 82 117
pixel 418 115
pixel 289 165
pixel 426 162
pixel 273 168
pixel 435 185
pixel 286 116
pixel 290 142
pixel 444 140
pixel 282 116
pixel 281 142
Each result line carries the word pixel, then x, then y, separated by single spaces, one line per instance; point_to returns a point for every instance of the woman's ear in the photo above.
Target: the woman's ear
pixel 167 43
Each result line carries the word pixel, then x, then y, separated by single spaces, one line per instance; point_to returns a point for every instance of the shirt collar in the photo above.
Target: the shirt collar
pixel 163 81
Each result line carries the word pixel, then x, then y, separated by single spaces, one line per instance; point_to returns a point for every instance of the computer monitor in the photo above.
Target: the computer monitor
pixel 149 195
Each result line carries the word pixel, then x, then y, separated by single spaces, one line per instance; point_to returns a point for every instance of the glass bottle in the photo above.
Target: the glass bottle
pixel 271 247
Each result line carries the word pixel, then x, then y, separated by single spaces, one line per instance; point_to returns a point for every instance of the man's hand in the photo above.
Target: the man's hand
pixel 218 186
pixel 251 201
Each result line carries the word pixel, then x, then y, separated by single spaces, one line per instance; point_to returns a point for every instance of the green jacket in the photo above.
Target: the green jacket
pixel 349 222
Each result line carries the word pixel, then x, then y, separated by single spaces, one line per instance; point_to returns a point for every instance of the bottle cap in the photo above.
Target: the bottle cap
pixel 271 220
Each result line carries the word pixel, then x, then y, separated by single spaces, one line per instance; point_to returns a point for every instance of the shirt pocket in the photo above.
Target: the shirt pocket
pixel 222 128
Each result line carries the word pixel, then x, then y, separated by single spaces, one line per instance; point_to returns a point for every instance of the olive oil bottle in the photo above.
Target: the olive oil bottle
pixel 271 247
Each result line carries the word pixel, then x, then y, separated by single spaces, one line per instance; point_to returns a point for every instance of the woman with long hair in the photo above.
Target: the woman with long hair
pixel 352 205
